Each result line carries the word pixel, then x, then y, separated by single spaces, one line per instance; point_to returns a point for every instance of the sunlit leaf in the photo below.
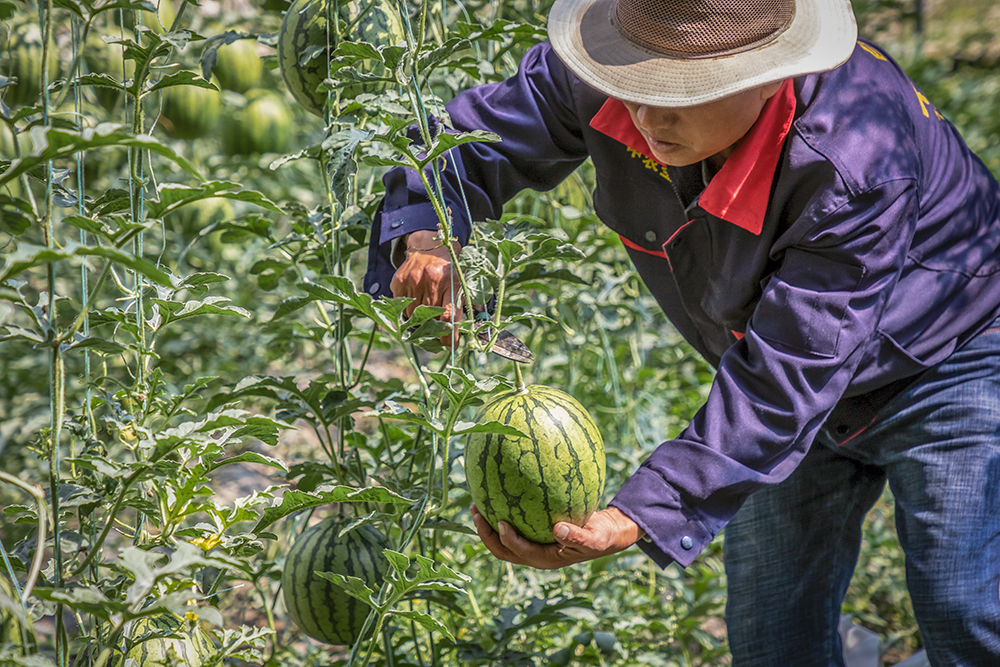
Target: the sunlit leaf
pixel 426 620
pixel 29 256
pixel 293 501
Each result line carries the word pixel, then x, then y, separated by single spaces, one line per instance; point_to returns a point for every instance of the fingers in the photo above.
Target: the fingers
pixel 506 544
pixel 607 532
pixel 491 538
pixel 429 280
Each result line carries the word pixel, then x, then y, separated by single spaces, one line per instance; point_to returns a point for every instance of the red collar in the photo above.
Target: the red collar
pixel 739 193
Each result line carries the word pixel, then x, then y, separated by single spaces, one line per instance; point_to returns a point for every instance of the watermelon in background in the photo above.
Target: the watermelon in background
pixel 304 30
pixel 237 65
pixel 21 59
pixel 264 125
pixel 321 609
pixel 557 474
pixel 189 112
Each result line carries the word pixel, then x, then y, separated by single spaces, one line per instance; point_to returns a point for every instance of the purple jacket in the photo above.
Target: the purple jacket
pixel 850 242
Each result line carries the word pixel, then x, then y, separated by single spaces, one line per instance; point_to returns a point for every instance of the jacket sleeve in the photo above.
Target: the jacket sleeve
pixel 776 387
pixel 534 112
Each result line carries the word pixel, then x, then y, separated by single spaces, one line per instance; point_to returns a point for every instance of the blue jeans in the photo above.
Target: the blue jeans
pixel 791 550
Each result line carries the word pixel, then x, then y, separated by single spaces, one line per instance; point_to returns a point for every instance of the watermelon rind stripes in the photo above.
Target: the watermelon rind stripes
pixel 555 474
pixel 304 29
pixel 320 608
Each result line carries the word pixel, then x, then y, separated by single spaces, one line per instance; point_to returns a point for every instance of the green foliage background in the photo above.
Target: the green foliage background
pixel 189 332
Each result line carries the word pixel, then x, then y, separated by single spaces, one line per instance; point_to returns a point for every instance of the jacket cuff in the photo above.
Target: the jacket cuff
pixel 675 533
pixel 402 221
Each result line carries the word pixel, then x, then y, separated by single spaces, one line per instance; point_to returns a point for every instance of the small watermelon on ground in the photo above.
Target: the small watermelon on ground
pixel 189 112
pixel 555 474
pixel 264 125
pixel 237 65
pixel 318 607
pixel 304 33
pixel 193 649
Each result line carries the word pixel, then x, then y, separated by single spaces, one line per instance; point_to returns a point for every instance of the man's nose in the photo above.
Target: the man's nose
pixel 653 118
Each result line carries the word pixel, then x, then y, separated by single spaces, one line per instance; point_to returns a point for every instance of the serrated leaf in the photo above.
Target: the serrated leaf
pixel 88 599
pixel 399 562
pixel 14 331
pixel 445 141
pixel 97 344
pixel 353 586
pixel 465 428
pixel 425 620
pixel 55 143
pixel 251 457
pixel 101 80
pixel 293 501
pixel 174 195
pixel 29 256
pixel 203 278
pixel 182 78
pixel 174 311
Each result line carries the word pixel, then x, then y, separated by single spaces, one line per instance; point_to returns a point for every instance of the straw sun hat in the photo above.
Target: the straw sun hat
pixel 682 53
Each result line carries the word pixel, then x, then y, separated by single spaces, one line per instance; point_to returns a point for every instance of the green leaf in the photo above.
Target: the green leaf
pixel 353 586
pixel 56 143
pixel 14 331
pixel 174 195
pixel 399 562
pixel 97 344
pixel 87 599
pixel 341 165
pixel 465 428
pixel 293 501
pixel 174 311
pixel 445 141
pixel 29 256
pixel 425 620
pixel 204 278
pixel 250 457
pixel 15 215
pixel 138 5
pixel 182 78
pixel 101 80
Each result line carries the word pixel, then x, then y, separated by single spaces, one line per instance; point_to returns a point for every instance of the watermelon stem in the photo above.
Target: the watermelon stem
pixel 519 379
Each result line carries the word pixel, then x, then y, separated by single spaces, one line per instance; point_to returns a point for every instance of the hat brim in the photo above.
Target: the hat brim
pixel 821 36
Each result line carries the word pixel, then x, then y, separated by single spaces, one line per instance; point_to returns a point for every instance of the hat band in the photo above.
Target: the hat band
pixel 689 54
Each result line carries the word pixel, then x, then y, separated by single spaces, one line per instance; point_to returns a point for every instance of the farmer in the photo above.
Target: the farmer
pixel 824 238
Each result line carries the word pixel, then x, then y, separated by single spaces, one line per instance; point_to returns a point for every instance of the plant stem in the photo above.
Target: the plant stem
pixel 518 378
pixel 36 561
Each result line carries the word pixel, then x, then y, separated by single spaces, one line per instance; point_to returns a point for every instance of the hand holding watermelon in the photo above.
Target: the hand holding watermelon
pixel 606 532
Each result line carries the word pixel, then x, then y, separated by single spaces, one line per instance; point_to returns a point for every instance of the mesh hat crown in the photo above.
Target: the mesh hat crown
pixel 681 53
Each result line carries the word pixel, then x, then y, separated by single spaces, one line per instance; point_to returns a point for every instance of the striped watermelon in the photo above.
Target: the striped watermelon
pixel 304 30
pixel 193 650
pixel 320 608
pixel 555 475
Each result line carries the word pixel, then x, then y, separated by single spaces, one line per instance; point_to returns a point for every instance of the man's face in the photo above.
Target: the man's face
pixel 680 137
